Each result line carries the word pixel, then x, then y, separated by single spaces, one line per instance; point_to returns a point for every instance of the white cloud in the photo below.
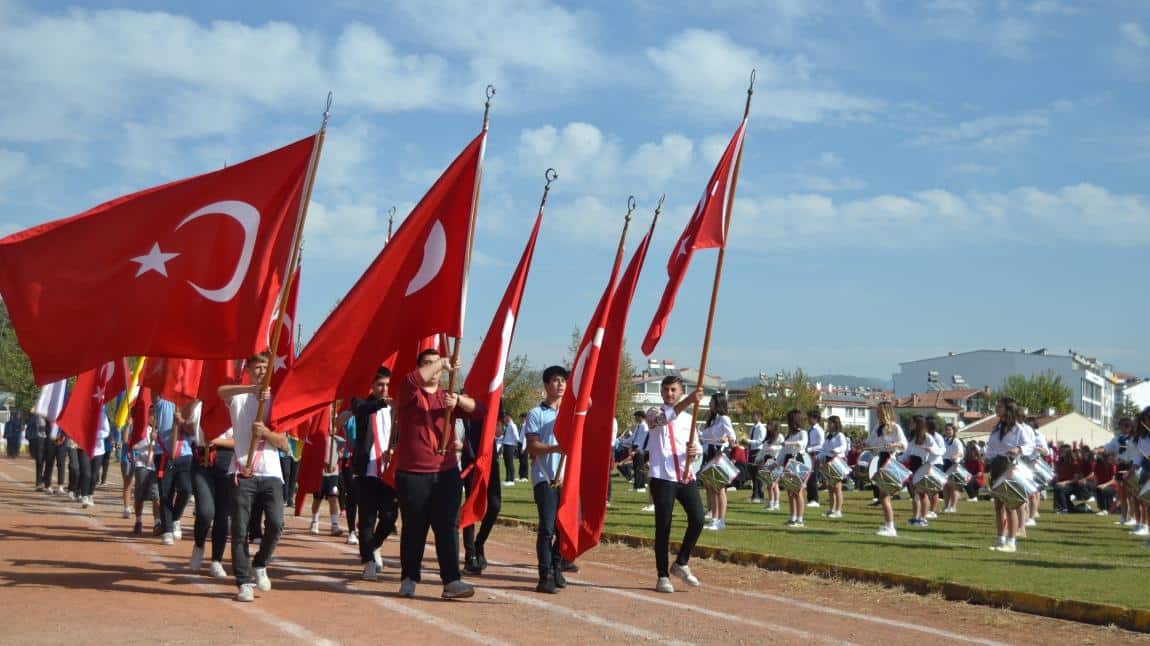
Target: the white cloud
pixel 656 163
pixel 1011 37
pixel 1133 33
pixel 993 133
pixel 1052 7
pixel 1080 213
pixel 972 168
pixel 707 73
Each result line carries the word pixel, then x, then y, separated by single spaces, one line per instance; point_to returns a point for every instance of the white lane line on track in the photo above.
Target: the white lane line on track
pixel 522 599
pixel 262 614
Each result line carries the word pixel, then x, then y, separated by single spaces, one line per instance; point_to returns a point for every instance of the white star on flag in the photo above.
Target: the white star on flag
pixel 155 260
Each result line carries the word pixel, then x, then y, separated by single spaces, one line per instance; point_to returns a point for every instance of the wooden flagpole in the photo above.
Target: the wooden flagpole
pixel 390 221
pixel 449 422
pixel 290 271
pixel 719 271
pixel 559 471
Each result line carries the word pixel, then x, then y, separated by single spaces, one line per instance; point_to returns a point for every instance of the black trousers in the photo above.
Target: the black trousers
pixel 378 511
pixel 213 488
pixel 175 488
pixel 36 448
pixel 756 484
pixel 664 493
pixel 430 500
pixel 546 537
pixel 268 493
pixel 290 469
pixel 522 464
pixel 637 463
pixel 349 497
pixel 84 481
pixel 1062 493
pixel 1105 496
pixel 473 542
pixel 813 485
pixel 54 456
pixel 73 469
pixel 508 462
pixel 105 460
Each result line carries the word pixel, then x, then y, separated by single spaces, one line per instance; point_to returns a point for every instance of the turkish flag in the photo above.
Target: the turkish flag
pixel 189 269
pixel 140 411
pixel 582 510
pixel 176 380
pixel 316 433
pixel 705 230
pixel 583 502
pixel 485 379
pixel 285 353
pixel 214 417
pixel 414 288
pixel 83 417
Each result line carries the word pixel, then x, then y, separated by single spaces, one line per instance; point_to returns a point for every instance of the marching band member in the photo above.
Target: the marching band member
pixel 921 450
pixel 772 449
pixel 1122 448
pixel 545 454
pixel 888 439
pixel 795 445
pixel 671 480
pixel 718 436
pixel 815 437
pixel 1003 448
pixel 754 447
pixel 953 452
pixel 213 492
pixel 936 461
pixel 1142 446
pixel 836 445
pixel 1038 450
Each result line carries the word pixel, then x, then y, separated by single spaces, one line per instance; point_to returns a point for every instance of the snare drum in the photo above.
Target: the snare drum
pixel 1014 487
pixel 958 475
pixel 929 479
pixel 794 476
pixel 891 477
pixel 1144 493
pixel 766 472
pixel 862 467
pixel 719 473
pixel 1043 474
pixel 836 470
pixel 1133 479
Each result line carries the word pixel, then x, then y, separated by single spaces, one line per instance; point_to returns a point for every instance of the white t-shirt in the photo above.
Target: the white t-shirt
pixel 1029 442
pixel 757 436
pixel 719 430
pixel 815 438
pixel 953 449
pixel 940 449
pixel 795 443
pixel 925 451
pixel 1123 451
pixel 663 452
pixel 835 446
pixel 996 446
pixel 381 427
pixel 140 453
pixel 102 433
pixel 893 435
pixel 510 434
pixel 242 409
pixel 1143 447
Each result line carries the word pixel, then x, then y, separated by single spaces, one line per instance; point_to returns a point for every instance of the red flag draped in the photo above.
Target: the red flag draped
pixel 187 269
pixel 140 410
pixel 214 417
pixel 413 288
pixel 316 434
pixel 705 230
pixel 583 503
pixel 284 357
pixel 485 379
pixel 176 380
pixel 83 414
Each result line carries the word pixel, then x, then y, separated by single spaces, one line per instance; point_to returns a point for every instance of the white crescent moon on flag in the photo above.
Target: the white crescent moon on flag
pixel 434 253
pixel 248 217
pixel 581 361
pixel 504 346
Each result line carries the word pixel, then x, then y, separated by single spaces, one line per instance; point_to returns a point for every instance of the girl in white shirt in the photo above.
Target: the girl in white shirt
pixel 888 439
pixel 919 452
pixel 718 436
pixel 935 460
pixel 1141 453
pixel 1003 448
pixel 836 445
pixel 794 445
pixel 772 449
pixel 952 454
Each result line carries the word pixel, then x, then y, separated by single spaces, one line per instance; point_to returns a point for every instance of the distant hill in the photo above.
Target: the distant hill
pixel 838 380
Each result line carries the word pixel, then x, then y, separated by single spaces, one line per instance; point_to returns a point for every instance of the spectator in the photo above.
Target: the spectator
pixel 973 464
pixel 1069 480
pixel 1104 479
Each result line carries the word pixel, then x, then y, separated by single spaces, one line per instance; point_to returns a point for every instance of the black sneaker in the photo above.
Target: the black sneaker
pixel 138 528
pixel 471 566
pixel 158 529
pixel 567 566
pixel 546 585
pixel 482 560
pixel 560 580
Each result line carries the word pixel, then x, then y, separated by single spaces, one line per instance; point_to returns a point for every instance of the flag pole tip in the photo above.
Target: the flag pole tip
pixel 751 87
pixel 326 110
pixel 630 206
pixel 550 175
pixel 659 206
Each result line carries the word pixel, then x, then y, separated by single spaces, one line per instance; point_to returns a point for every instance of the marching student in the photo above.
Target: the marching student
pixel 1036 449
pixel 176 480
pixel 428 483
pixel 815 437
pixel 329 487
pixel 836 445
pixel 754 448
pixel 718 436
pixel 508 445
pixel 1122 448
pixel 921 450
pixel 1141 441
pixel 264 487
pixel 953 451
pixel 522 452
pixel 1003 448
pixel 38 444
pixel 638 450
pixel 377 501
pixel 671 480
pixel 99 454
pixel 795 445
pixel 772 449
pixel 888 439
pixel 147 484
pixel 544 450
pixel 349 497
pixel 474 542
pixel 935 461
pixel 213 493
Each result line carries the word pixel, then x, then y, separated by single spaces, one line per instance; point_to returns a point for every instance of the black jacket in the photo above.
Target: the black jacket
pixel 362 410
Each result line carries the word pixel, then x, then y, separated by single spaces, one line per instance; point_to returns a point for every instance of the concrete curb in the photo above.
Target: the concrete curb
pixel 1035 604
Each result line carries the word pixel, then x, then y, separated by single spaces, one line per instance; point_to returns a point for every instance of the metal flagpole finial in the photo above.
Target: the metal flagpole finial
pixel 751 87
pixel 390 221
pixel 550 175
pixel 326 111
pixel 490 92
pixel 630 207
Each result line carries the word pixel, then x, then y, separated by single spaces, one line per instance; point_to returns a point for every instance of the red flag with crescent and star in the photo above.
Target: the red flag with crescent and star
pixel 414 288
pixel 188 269
pixel 485 380
pixel 285 354
pixel 705 230
pixel 176 380
pixel 83 417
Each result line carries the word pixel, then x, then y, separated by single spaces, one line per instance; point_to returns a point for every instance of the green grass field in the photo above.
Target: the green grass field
pixel 1073 556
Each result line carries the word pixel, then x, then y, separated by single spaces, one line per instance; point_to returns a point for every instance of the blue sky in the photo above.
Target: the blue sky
pixel 918 177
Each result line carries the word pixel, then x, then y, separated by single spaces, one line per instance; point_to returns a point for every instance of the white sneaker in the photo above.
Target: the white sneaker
pixel 684 573
pixel 262 581
pixel 889 532
pixel 177 533
pixel 217 571
pixel 378 558
pixel 949 510
pixel 713 525
pixel 313 528
pixel 664 585
pixel 352 539
pixel 642 489
pixel 1103 513
pixel 370 571
pixel 649 509
pixel 709 517
pixel 1129 522
pixel 197 561
pixel 930 515
pixel 813 504
pixel 1005 548
pixel 1030 522
pixel 127 513
pixel 247 592
pixel 509 483
pixel 85 502
pixel 167 539
pixel 835 514
pixel 1141 531
pixel 407 588
pixel 732 488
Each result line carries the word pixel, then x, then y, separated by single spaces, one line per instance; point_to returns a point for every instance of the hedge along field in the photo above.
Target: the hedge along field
pixel 1082 557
